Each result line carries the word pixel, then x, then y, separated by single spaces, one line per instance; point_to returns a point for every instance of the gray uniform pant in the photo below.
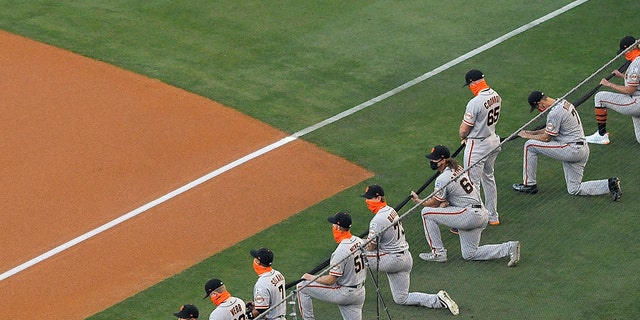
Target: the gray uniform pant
pixel 574 158
pixel 349 300
pixel 622 103
pixel 398 266
pixel 482 173
pixel 470 222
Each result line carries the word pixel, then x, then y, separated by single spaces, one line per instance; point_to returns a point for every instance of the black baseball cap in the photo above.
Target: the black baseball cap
pixel 439 152
pixel 264 255
pixel 187 311
pixel 211 285
pixel 534 98
pixel 473 75
pixel 626 42
pixel 342 219
pixel 373 191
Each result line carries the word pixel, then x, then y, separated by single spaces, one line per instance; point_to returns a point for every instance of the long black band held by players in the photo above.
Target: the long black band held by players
pixel 325 263
pixel 582 99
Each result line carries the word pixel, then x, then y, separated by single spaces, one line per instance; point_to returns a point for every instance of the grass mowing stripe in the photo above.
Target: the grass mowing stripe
pixel 439 69
pixel 142 209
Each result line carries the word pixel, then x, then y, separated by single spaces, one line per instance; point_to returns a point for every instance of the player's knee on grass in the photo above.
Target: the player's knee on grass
pixel 574 191
pixel 469 254
pixel 400 298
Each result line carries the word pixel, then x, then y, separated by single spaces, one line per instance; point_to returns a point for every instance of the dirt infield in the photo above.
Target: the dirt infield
pixel 85 143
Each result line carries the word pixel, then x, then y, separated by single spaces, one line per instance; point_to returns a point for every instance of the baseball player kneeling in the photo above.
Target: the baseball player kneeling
pixel 457 204
pixel 388 251
pixel 562 139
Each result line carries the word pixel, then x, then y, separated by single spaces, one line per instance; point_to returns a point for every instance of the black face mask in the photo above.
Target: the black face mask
pixel 434 165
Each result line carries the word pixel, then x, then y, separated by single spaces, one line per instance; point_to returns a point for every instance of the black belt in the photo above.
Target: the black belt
pixel 399 252
pixel 580 143
pixel 476 206
pixel 355 287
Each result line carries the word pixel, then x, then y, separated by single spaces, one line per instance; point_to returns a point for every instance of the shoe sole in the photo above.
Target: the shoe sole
pixel 534 191
pixel 433 260
pixel 514 262
pixel 444 298
pixel 530 191
pixel 494 223
pixel 440 261
pixel 618 193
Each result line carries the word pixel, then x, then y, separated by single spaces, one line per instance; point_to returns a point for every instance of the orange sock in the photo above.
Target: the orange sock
pixel 601 119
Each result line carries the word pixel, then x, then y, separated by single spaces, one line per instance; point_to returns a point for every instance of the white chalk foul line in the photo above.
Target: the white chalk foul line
pixel 282 142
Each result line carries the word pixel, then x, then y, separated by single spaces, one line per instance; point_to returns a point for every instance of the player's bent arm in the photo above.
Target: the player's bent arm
pixel 431 202
pixel 326 279
pixel 540 135
pixel 371 245
pixel 628 89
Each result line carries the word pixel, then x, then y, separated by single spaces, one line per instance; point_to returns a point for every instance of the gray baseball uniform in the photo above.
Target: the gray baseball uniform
pixel 348 292
pixel 231 309
pixel 567 145
pixel 395 259
pixel 623 103
pixel 466 213
pixel 482 114
pixel 270 291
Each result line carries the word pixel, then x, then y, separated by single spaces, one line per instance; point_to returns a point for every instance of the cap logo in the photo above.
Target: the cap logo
pixel 433 149
pixel 181 307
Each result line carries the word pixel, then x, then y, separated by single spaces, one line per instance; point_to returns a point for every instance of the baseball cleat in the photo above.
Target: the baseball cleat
pixel 433 257
pixel 596 138
pixel 614 187
pixel 448 303
pixel 454 230
pixel 530 189
pixel 494 221
pixel 514 254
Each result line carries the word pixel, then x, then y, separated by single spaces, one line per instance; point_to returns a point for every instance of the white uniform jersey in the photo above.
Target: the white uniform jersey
pixel 632 76
pixel 393 239
pixel 459 193
pixel 563 123
pixel 350 271
pixel 482 114
pixel 270 291
pixel 231 309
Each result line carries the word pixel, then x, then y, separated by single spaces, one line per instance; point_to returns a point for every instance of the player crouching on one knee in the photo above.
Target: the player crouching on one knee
pixel 457 204
pixel 388 251
pixel 562 139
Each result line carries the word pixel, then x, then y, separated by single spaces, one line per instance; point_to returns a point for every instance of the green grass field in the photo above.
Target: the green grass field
pixel 295 63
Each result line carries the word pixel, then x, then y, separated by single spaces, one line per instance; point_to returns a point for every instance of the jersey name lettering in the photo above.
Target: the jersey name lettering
pixel 392 216
pixel 493 100
pixel 235 309
pixel 276 279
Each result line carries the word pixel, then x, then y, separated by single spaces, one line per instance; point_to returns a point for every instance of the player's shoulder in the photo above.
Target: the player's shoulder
pixel 386 211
